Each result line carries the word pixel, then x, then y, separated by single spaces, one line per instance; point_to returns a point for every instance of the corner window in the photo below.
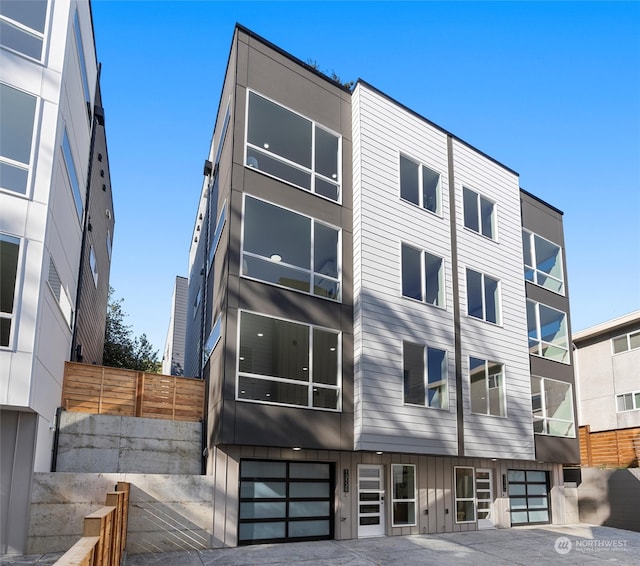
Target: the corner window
pixel 419 185
pixel 213 245
pixel 422 276
pixel 552 403
pixel 93 265
pixel 487 387
pixel 9 254
pixel 22 26
pixel 72 173
pixel 483 297
pixel 543 262
pixel 626 342
pixel 292 148
pixel 628 402
pixel 212 340
pixel 60 293
pixel 83 64
pixel 18 110
pixel 465 494
pixel 547 332
pixel 425 376
pixel 403 495
pixel 288 249
pixel 288 363
pixel 479 213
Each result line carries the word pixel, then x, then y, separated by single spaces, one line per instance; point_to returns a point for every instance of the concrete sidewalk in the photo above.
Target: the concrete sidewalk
pixel 582 545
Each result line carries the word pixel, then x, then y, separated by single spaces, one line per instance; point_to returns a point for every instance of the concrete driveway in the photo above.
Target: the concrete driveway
pixel 582 545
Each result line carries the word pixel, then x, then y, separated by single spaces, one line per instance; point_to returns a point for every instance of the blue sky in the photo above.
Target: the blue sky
pixel 550 89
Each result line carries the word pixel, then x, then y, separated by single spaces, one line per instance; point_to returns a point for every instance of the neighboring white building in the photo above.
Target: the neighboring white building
pixel 48 83
pixel 173 357
pixel 608 384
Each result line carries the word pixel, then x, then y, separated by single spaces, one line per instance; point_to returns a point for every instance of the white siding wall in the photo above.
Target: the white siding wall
pixel 490 436
pixel 383 318
pixel 45 218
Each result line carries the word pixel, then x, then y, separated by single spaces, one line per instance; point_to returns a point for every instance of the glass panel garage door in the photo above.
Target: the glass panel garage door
pixel 285 501
pixel 529 497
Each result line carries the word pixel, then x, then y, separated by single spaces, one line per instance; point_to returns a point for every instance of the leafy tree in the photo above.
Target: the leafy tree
pixel 333 76
pixel 121 348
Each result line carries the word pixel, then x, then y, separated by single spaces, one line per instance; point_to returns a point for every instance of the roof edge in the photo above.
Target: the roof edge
pixel 608 326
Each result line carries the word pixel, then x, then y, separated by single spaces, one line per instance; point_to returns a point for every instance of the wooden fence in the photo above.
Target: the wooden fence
pixel 610 448
pixel 104 535
pixel 112 391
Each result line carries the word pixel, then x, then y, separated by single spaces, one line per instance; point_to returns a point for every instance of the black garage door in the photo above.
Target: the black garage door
pixel 529 497
pixel 285 501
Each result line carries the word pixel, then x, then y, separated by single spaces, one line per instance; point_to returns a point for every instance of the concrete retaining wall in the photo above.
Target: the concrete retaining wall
pixel 610 497
pixel 107 443
pixel 166 512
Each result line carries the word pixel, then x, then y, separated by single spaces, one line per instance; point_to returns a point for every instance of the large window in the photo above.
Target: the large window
pixel 288 363
pixel 72 173
pixel 22 26
pixel 422 276
pixel 288 146
pixel 60 293
pixel 487 387
pixel 403 495
pixel 291 250
pixel 215 240
pixel 83 63
pixel 628 401
pixel 479 213
pixel 425 376
pixel 94 266
pixel 212 340
pixel 18 110
pixel 626 342
pixel 547 332
pixel 9 253
pixel 552 403
pixel 543 262
pixel 465 494
pixel 483 297
pixel 419 185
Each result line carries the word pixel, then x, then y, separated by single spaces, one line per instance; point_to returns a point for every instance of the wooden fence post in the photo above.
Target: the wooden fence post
pixel 139 393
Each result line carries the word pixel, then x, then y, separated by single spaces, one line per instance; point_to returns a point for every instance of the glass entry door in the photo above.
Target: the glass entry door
pixel 370 500
pixel 484 498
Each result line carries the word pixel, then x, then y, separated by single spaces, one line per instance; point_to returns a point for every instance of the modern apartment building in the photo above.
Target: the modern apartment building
pixel 608 383
pixel 56 225
pixel 381 315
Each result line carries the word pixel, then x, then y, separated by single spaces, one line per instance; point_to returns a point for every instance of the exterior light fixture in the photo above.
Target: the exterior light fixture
pixel 297 448
pixel 276 257
pixel 266 146
pixel 379 453
pixel 260 334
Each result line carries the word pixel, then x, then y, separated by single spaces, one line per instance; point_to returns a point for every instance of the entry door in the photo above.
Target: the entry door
pixel 370 501
pixel 484 498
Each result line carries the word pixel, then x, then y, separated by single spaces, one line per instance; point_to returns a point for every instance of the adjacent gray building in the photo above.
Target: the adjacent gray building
pixel 381 315
pixel 173 356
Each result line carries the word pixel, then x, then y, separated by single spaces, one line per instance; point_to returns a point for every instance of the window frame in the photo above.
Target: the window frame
pixel 220 224
pixel 40 35
pixel 310 170
pixel 67 315
pixel 478 210
pixel 72 174
pixel 426 386
pixel 20 164
pixel 93 264
pixel 407 500
pixel 311 271
pixel 531 236
pixel 471 499
pixel 421 167
pixel 212 340
pixel 310 383
pixel 635 401
pixel 84 75
pixel 628 336
pixel 442 295
pixel 11 316
pixel 540 343
pixel 487 388
pixel 545 418
pixel 498 310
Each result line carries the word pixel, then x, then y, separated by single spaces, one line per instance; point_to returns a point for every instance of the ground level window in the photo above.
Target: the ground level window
pixel 465 495
pixel 529 497
pixel 404 495
pixel 285 501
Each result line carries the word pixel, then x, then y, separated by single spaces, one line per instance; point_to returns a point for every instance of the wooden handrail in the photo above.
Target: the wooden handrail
pixel 104 533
